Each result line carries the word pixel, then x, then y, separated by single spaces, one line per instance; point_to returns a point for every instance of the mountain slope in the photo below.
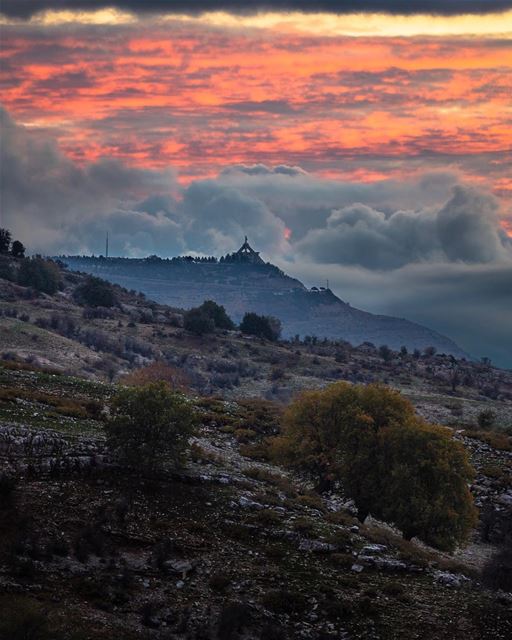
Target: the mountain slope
pixel 263 288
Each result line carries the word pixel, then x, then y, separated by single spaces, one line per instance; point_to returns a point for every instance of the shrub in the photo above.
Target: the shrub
pixel 95 292
pixel 42 275
pixel 17 249
pixel 157 372
pixel 266 518
pixel 486 419
pixel 281 601
pixel 198 322
pixel 149 425
pixel 261 326
pixel 385 353
pixel 5 240
pixel 217 313
pixel 391 463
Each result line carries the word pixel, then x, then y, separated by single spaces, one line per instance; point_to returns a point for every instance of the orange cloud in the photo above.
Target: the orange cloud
pixel 199 96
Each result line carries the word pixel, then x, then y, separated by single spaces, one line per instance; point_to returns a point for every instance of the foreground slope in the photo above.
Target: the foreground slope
pixel 265 289
pixel 226 548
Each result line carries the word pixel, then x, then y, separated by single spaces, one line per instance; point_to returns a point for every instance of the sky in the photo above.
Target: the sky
pixel 368 143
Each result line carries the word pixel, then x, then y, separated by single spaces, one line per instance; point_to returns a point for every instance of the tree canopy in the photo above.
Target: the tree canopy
pixel 389 461
pixel 42 275
pixel 95 292
pixel 5 240
pixel 261 326
pixel 206 318
pixel 149 426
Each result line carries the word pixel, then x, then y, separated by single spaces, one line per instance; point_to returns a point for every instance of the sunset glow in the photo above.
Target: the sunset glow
pixel 200 93
pixel 353 145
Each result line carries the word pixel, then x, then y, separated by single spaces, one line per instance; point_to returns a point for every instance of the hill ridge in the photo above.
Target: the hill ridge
pixel 244 285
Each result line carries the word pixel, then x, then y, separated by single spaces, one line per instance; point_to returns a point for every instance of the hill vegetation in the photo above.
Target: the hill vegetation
pixel 245 284
pixel 162 482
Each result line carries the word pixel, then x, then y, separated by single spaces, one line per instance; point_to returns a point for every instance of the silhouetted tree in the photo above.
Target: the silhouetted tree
pixel 5 240
pixel 385 353
pixel 198 322
pixel 261 326
pixel 17 249
pixel 217 313
pixel 95 292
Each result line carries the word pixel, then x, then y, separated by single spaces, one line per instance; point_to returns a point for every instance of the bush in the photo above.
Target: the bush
pixel 217 313
pixel 486 419
pixel 196 321
pixel 42 275
pixel 17 249
pixel 149 426
pixel 5 240
pixel 157 372
pixel 385 353
pixel 261 326
pixel 391 463
pixel 95 292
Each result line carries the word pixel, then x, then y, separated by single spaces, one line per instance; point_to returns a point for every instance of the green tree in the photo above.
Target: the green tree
pixel 196 321
pixel 426 489
pixel 17 249
pixel 261 326
pixel 5 240
pixel 391 463
pixel 385 353
pixel 95 292
pixel 217 313
pixel 42 275
pixel 149 426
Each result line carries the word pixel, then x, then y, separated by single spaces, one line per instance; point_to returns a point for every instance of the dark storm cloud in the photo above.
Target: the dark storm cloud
pixel 26 8
pixel 464 229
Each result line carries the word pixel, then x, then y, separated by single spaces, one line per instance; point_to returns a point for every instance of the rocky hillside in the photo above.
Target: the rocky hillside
pixel 228 547
pixel 262 288
pixel 59 333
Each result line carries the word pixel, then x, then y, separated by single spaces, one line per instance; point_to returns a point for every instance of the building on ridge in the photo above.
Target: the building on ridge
pixel 245 255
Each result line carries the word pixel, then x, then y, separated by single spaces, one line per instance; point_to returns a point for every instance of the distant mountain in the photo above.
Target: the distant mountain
pixel 242 282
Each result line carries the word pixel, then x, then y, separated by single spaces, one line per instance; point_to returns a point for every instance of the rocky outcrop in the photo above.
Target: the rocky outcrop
pixel 44 451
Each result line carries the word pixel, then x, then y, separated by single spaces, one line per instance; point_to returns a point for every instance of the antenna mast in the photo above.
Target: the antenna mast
pixel 106 246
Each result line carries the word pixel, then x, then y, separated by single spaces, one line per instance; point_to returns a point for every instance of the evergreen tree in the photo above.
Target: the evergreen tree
pixel 17 249
pixel 5 240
